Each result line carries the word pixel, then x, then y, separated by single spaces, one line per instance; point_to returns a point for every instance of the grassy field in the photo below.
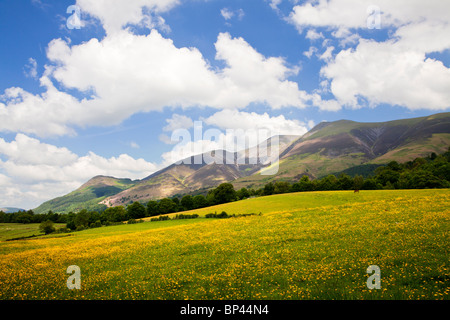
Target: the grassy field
pixel 314 245
pixel 9 231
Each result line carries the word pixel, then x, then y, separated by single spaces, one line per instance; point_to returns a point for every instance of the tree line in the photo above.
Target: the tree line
pixel 428 172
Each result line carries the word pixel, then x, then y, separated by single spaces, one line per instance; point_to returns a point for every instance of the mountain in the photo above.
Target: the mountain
pixel 194 174
pixel 11 210
pixel 332 147
pixel 328 148
pixel 88 196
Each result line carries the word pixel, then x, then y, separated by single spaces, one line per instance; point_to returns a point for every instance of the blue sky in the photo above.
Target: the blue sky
pixel 104 98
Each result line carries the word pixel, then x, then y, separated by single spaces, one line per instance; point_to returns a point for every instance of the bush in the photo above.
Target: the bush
pixel 95 224
pixel 63 230
pixel 221 215
pixel 186 216
pixel 47 227
pixel 160 218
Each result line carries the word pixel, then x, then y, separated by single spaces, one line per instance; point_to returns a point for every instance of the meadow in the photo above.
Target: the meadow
pixel 11 231
pixel 310 245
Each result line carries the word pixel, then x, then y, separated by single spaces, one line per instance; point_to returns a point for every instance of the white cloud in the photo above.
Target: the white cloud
pixel 274 4
pixel 250 77
pixel 49 113
pixel 232 130
pixel 240 14
pixel 313 35
pixel 388 73
pixel 117 14
pixel 312 50
pixel 226 13
pixel 26 150
pixel 178 122
pixel 124 74
pixel 42 171
pixel 185 149
pixel 134 145
pixel 352 14
pixel 235 119
pixel 328 54
pixel 327 105
pixel 395 71
pixel 30 69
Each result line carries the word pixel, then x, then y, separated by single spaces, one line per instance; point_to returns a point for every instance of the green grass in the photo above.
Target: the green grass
pixel 314 245
pixel 10 231
pixel 299 200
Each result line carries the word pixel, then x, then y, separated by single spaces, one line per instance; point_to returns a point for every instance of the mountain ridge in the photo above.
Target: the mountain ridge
pixel 327 148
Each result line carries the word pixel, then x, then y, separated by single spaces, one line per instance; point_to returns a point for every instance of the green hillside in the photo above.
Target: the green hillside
pixel 87 196
pixel 328 148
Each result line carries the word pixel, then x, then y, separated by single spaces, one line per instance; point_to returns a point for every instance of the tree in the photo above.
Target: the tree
pixel 136 210
pixel 166 205
pixel 393 165
pixel 358 182
pixel 345 182
pixel 176 201
pixel 328 183
pixel 304 184
pixel 269 189
pixel 47 227
pixel 152 208
pixel 199 201
pixel 224 193
pixel 281 187
pixel 82 219
pixel 114 214
pixel 22 217
pixel 386 174
pixel 187 202
pixel 242 193
pixel 370 184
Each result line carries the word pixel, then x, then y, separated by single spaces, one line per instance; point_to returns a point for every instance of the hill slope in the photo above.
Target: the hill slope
pixel 336 146
pixel 328 148
pixel 88 196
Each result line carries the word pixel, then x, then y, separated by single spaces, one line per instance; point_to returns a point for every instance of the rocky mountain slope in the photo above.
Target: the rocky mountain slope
pixel 328 148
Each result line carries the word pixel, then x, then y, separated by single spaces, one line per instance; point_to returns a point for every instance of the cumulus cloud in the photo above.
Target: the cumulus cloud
pixel 235 119
pixel 313 34
pixel 395 71
pixel 231 130
pixel 250 77
pixel 328 54
pixel 114 15
pixel 124 74
pixel 353 14
pixel 49 113
pixel 42 171
pixel 178 122
pixel 387 73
